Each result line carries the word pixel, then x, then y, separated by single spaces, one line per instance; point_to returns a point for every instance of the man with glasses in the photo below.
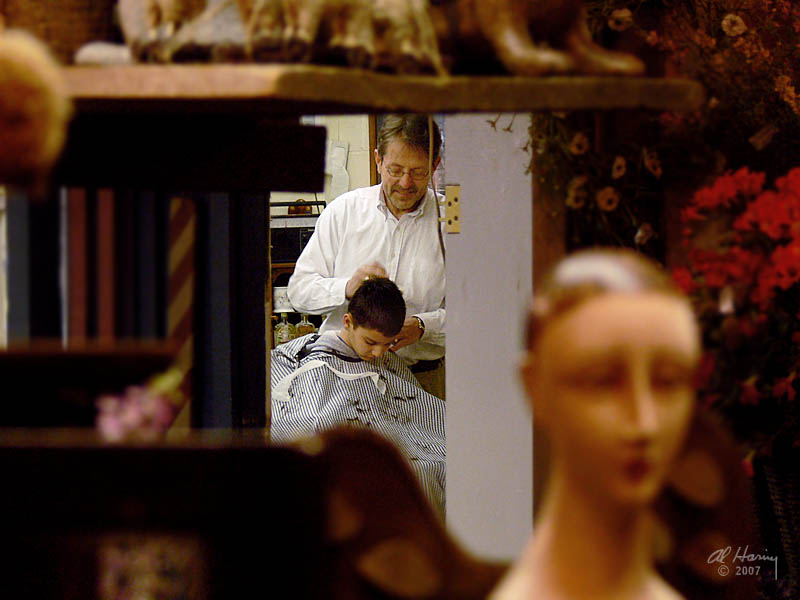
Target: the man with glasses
pixel 388 230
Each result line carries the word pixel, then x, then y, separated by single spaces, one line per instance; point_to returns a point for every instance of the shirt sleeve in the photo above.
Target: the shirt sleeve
pixel 434 326
pixel 313 289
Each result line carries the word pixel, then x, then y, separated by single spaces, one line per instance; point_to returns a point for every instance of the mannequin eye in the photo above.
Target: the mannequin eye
pixel 600 378
pixel 670 377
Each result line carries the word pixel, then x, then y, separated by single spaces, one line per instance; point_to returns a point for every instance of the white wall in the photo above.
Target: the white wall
pixel 489 266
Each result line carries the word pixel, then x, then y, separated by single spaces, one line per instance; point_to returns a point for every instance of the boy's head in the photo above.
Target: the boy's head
pixel 375 316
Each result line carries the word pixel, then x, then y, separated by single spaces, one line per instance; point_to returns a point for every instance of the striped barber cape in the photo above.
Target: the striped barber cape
pixel 316 389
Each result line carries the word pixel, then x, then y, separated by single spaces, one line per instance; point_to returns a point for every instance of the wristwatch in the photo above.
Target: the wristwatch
pixel 420 324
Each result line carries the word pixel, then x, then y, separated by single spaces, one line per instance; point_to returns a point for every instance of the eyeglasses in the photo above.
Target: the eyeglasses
pixel 397 172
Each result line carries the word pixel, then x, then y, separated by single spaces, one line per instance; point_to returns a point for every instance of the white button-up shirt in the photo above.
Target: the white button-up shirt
pixel 356 229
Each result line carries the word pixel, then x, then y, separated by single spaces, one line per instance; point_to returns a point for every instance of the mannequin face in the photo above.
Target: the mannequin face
pixel 611 383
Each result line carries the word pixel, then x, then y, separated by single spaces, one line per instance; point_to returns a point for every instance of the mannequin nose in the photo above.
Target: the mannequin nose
pixel 643 407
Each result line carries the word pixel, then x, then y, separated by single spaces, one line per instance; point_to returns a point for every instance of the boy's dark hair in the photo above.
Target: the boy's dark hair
pixel 411 129
pixel 378 304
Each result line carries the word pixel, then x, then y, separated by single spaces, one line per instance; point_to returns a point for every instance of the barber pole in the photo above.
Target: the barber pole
pixel 180 295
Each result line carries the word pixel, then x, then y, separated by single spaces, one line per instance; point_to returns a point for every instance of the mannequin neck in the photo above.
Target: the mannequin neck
pixel 586 547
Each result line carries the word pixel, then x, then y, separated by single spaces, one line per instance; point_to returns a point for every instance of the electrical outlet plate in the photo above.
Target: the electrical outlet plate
pixel 452 206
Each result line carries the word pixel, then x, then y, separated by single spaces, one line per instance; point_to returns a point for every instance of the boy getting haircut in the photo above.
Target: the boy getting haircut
pixel 378 304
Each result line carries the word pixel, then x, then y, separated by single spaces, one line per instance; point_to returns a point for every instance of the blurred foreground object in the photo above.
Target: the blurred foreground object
pixel 34 109
pixel 396 36
pixel 340 518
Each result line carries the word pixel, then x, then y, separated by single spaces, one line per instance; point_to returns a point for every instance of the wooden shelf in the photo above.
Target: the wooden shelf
pixel 50 386
pixel 307 89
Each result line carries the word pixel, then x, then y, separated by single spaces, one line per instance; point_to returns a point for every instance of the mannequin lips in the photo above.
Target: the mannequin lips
pixel 638 468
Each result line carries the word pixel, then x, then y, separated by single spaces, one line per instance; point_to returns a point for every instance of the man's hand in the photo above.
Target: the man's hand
pixel 363 273
pixel 409 334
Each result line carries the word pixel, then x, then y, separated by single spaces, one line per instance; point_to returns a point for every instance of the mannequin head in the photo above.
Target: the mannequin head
pixel 34 109
pixel 612 350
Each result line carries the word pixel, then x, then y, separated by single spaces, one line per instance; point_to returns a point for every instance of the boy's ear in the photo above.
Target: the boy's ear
pixel 347 320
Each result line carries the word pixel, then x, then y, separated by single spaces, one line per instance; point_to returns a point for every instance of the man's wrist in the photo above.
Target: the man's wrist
pixel 421 325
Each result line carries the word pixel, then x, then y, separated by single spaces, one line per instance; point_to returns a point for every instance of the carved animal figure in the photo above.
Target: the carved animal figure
pixel 524 37
pixel 172 14
pixel 480 35
pixel 394 35
pixel 342 27
pixel 406 39
pixel 474 35
pixel 263 26
pixel 34 109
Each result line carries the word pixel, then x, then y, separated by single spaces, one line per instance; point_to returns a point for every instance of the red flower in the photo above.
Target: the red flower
pixel 733 266
pixel 764 290
pixel 786 260
pixel 684 280
pixel 702 376
pixel 748 393
pixel 749 183
pixel 747 465
pixel 748 326
pixel 772 212
pixel 727 187
pixel 709 400
pixel 691 213
pixel 790 182
pixel 784 387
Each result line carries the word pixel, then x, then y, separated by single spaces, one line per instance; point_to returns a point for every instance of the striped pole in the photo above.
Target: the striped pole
pixel 180 295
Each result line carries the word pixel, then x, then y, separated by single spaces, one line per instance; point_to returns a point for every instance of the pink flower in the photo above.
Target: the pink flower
pixel 139 413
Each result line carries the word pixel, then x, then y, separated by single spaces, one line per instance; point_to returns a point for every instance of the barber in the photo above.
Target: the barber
pixel 388 230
